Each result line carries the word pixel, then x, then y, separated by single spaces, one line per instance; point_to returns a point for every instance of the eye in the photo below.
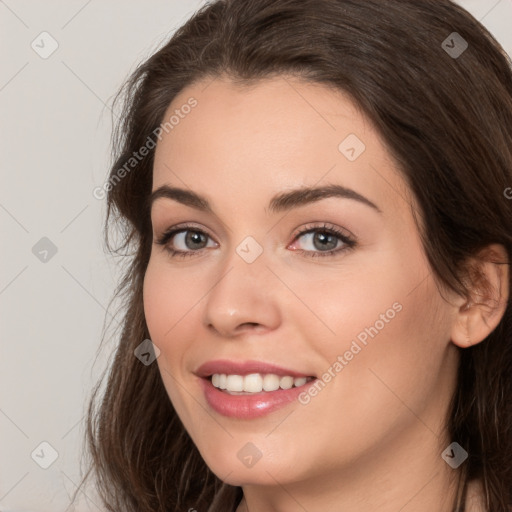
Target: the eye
pixel 325 240
pixel 183 241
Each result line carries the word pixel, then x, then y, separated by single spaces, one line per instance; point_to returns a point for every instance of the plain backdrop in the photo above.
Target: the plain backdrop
pixel 55 278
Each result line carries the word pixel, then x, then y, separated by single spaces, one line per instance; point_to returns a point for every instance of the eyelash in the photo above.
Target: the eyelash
pixel 349 242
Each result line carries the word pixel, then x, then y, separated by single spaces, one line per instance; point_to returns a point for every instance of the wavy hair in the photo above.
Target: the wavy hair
pixel 446 120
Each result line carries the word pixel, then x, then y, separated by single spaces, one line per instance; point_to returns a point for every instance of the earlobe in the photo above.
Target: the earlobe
pixel 489 295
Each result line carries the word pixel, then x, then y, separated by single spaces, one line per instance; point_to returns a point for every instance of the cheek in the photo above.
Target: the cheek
pixel 167 299
pixel 167 307
pixel 384 332
pixel 398 367
pixel 157 301
pixel 396 370
pixel 355 301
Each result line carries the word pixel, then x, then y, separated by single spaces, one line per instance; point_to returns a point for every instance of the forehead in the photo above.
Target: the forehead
pixel 276 134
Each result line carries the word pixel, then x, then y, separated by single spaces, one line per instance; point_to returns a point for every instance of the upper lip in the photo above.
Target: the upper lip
pixel 244 368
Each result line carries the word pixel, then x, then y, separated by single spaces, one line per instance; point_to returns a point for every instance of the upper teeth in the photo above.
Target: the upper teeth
pixel 256 382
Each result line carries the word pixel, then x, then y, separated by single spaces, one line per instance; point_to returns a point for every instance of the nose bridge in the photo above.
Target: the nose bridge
pixel 243 294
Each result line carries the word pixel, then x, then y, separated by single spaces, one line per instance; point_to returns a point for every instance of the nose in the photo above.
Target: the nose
pixel 243 298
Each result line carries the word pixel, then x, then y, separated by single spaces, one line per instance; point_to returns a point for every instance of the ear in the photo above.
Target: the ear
pixel 488 289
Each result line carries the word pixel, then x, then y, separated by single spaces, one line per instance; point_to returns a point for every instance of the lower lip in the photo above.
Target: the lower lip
pixel 249 406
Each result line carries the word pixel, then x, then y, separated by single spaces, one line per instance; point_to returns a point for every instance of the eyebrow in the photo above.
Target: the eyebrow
pixel 279 203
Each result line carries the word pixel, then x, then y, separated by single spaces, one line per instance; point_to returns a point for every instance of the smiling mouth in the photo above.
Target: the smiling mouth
pixel 255 382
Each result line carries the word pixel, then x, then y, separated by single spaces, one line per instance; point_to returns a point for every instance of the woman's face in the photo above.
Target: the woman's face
pixel 332 285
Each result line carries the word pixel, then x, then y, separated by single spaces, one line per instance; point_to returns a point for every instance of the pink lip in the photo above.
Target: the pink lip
pixel 244 368
pixel 249 406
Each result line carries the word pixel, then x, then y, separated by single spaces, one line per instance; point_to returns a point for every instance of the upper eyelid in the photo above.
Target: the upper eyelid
pixel 297 231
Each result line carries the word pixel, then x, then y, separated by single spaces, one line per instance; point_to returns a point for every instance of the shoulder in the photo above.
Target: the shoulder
pixel 475 497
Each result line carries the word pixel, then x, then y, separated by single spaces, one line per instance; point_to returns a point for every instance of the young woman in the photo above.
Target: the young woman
pixel 317 197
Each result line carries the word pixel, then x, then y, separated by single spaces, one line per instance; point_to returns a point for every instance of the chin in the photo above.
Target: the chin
pixel 243 476
pixel 231 468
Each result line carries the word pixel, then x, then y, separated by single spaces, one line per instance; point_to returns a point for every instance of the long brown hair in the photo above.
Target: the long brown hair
pixel 446 118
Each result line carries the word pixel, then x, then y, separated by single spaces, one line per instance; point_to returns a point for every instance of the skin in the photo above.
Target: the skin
pixel 372 438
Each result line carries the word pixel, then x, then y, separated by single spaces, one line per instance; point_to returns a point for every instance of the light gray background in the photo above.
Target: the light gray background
pixel 55 135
